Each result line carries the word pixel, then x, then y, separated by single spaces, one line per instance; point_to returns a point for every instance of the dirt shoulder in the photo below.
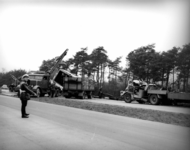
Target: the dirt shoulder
pixel 139 113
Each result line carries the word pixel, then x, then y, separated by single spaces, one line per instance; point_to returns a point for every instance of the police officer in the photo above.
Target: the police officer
pixel 25 95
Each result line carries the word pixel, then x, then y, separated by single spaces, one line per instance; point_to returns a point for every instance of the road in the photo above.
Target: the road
pixel 59 127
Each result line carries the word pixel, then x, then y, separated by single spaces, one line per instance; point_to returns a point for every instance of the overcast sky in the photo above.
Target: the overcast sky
pixel 31 31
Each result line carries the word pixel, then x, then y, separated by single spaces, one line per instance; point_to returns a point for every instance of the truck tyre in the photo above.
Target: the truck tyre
pixel 154 100
pixel 127 98
pixel 38 92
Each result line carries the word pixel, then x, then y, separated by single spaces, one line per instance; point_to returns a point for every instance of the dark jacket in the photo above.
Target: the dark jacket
pixel 24 87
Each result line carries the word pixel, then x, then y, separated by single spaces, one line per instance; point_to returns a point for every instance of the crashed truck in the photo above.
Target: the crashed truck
pixel 151 93
pixel 66 83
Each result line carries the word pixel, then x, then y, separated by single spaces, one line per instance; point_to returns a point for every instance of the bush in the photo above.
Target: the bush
pixel 113 88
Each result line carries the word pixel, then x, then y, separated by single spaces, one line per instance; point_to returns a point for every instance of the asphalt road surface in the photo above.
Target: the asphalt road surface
pixel 59 127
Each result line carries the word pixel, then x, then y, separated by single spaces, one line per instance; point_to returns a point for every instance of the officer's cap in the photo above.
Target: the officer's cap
pixel 25 75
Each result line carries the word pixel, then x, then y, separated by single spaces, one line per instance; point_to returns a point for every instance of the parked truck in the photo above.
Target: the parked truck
pixel 154 95
pixel 39 83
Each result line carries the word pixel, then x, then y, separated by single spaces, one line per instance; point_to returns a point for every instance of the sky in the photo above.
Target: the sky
pixel 32 31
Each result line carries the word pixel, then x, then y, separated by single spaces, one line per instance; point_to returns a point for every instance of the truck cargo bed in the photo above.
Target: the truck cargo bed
pixel 179 96
pixel 72 82
pixel 160 92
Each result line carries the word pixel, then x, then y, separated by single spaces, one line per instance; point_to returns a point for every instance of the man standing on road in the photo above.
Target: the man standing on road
pixel 25 95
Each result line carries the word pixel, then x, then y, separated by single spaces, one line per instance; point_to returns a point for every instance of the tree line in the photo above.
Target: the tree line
pixel 97 65
pixel 143 63
pixel 149 65
pixel 5 77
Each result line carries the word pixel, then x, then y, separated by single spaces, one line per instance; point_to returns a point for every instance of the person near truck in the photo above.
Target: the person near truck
pixel 52 89
pixel 25 95
pixel 100 93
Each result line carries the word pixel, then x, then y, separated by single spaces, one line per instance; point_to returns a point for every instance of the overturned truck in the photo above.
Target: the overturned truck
pixel 66 83
pixel 72 85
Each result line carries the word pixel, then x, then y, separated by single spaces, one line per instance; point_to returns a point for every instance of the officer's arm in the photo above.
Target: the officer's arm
pixel 25 87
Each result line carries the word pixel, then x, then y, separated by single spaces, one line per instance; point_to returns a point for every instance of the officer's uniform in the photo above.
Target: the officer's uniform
pixel 24 97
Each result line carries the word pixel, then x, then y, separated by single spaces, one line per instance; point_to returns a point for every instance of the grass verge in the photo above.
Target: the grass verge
pixel 144 114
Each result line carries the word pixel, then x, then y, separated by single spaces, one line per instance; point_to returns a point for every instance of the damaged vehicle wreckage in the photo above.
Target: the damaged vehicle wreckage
pixel 66 83
pixel 151 93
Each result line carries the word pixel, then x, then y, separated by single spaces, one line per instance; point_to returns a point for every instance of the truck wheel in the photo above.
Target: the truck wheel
pixel 127 98
pixel 154 100
pixel 38 92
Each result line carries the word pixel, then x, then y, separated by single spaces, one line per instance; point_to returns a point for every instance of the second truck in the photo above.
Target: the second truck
pixel 154 95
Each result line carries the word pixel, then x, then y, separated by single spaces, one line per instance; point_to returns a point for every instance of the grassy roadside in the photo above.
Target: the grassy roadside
pixel 144 114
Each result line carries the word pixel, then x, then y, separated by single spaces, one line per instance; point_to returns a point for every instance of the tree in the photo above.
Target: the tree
pixel 5 78
pixel 80 61
pixel 169 60
pixel 141 60
pixel 114 67
pixel 184 65
pixel 99 59
pixel 67 64
pixel 47 64
pixel 156 67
